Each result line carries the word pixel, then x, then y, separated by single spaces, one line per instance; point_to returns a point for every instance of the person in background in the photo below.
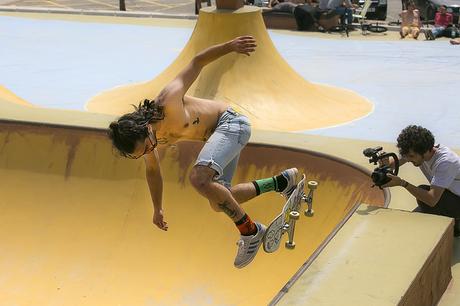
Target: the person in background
pixel 344 8
pixel 410 21
pixel 442 20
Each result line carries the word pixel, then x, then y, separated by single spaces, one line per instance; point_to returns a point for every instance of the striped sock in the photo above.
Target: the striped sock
pixel 276 183
pixel 246 226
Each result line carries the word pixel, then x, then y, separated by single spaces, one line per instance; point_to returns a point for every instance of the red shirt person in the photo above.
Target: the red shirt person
pixel 442 20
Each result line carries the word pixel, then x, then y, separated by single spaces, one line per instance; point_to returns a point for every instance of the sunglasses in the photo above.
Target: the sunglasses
pixel 152 136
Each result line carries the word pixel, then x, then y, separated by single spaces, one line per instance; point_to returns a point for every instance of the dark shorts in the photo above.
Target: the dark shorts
pixel 448 205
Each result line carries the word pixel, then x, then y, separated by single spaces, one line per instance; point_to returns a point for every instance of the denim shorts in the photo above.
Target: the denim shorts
pixel 221 151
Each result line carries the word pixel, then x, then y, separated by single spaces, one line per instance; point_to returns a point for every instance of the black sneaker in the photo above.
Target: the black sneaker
pixel 426 34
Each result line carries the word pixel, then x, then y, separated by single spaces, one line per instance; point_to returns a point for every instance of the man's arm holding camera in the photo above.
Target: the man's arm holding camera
pixel 429 197
pixel 392 161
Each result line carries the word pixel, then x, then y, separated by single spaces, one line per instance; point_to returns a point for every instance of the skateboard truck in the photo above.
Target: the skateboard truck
pixel 294 215
pixel 290 228
pixel 286 220
pixel 312 185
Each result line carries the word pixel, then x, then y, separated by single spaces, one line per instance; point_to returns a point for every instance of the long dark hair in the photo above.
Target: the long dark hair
pixel 131 128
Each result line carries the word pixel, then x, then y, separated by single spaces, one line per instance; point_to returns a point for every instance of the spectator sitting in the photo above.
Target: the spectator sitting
pixel 342 7
pixel 442 20
pixel 410 21
pixel 305 14
pixel 282 6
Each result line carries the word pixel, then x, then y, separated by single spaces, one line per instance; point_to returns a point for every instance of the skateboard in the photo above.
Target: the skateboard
pixel 285 221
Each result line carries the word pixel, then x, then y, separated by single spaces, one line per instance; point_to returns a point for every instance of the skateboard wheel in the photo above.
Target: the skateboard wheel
pixel 309 213
pixel 272 240
pixel 294 215
pixel 289 245
pixel 312 185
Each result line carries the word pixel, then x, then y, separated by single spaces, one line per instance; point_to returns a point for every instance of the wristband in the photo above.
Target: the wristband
pixel 404 183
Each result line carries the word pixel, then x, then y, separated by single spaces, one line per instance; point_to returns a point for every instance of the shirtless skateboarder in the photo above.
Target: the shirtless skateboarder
pixel 172 116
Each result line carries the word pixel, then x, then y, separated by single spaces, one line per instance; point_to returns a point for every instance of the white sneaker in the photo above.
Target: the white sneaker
pixel 291 176
pixel 248 246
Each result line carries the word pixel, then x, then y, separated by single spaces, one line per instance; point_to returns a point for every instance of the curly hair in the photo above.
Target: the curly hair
pixel 415 138
pixel 131 128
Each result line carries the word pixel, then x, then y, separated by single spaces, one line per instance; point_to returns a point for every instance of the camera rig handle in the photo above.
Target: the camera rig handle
pixel 396 159
pixel 374 157
pixel 379 175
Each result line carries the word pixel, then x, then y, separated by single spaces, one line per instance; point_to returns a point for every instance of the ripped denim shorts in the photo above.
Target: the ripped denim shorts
pixel 221 151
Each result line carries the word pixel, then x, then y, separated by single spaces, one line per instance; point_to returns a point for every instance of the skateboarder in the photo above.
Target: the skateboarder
pixel 173 116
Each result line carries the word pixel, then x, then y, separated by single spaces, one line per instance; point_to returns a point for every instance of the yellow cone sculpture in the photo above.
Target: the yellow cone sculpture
pixel 262 86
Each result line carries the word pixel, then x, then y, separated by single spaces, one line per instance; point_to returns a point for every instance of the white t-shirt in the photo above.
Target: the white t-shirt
pixel 443 169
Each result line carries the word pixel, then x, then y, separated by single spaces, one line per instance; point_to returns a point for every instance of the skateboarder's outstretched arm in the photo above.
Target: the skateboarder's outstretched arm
pixel 155 182
pixel 242 44
pixel 177 88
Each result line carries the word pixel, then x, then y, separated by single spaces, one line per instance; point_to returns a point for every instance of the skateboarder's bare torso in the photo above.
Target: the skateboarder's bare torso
pixel 195 120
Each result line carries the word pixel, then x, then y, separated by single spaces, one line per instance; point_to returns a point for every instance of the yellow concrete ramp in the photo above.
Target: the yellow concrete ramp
pixel 75 222
pixel 9 97
pixel 381 257
pixel 262 86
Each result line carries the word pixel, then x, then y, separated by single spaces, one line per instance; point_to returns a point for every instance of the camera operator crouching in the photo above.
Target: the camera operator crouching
pixel 439 164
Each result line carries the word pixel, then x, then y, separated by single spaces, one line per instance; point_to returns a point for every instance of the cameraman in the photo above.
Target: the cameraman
pixel 441 167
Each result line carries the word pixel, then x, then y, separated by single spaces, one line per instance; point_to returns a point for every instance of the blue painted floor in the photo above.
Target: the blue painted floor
pixel 62 64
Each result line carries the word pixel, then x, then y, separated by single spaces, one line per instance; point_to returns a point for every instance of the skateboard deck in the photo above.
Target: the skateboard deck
pixel 276 228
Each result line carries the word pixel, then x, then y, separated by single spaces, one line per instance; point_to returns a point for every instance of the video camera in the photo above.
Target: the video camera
pixel 379 176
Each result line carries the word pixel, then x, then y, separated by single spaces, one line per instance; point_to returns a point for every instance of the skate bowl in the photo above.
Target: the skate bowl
pixel 76 219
